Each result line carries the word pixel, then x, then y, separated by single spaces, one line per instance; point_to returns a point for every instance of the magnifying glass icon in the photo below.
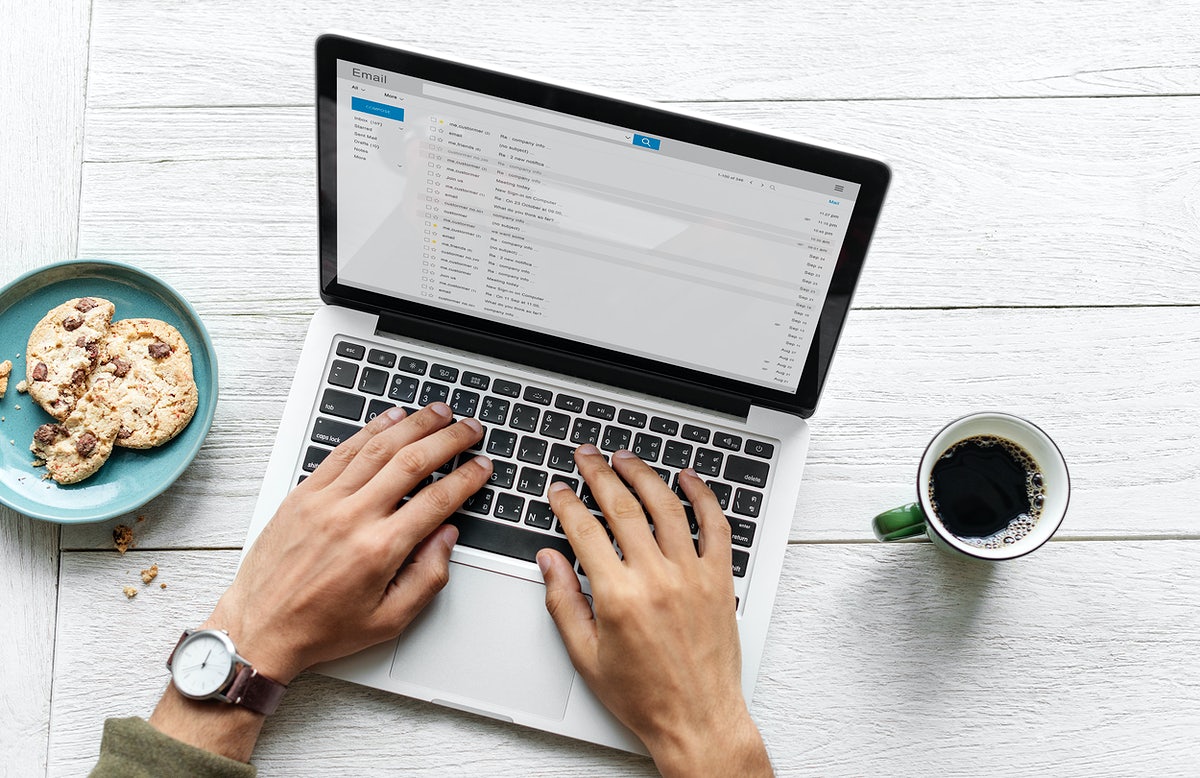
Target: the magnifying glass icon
pixel 646 142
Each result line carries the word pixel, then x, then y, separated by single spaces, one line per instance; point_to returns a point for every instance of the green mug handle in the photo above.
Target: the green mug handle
pixel 907 521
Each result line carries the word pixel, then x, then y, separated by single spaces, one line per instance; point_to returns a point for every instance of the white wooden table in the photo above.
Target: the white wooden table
pixel 1038 254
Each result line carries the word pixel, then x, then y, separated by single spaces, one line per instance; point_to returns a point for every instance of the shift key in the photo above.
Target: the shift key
pixel 746 471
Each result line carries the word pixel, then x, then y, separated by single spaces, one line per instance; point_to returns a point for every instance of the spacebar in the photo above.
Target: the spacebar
pixel 506 539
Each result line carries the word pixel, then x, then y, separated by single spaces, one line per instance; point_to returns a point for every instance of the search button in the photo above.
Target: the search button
pixel 646 140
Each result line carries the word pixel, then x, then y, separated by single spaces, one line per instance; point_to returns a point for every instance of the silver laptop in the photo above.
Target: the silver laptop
pixel 568 268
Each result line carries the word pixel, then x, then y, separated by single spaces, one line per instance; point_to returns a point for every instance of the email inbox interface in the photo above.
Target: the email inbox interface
pixel 606 235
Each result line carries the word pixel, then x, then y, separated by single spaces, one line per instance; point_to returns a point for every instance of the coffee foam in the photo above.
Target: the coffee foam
pixel 1035 487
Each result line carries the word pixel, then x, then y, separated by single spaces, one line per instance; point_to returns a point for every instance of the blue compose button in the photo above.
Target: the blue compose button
pixel 377 109
pixel 646 141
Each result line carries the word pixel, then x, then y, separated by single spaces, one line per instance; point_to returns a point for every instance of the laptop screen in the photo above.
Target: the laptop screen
pixel 615 235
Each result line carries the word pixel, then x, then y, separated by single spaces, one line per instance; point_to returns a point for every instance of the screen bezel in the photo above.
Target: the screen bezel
pixel 562 354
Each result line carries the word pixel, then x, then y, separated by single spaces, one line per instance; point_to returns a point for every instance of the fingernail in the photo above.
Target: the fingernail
pixel 395 414
pixel 543 561
pixel 690 473
pixel 441 409
pixel 473 424
pixel 623 454
pixel 483 462
pixel 558 486
pixel 587 450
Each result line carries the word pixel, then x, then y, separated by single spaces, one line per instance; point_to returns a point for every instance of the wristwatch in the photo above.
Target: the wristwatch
pixel 205 666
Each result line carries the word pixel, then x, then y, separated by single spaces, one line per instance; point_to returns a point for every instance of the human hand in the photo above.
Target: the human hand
pixel 340 567
pixel 661 648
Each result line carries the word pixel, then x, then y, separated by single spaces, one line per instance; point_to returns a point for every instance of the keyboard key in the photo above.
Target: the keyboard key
pixel 330 432
pixel 350 350
pixel 403 389
pixel 632 418
pixel 724 493
pixel 443 373
pixel 377 407
pixel 647 446
pixel 509 507
pixel 585 431
pixel 708 462
pixel 615 438
pixel 348 406
pixel 536 394
pixel 747 502
pixel 554 425
pixel 532 450
pixel 665 426
pixel 571 482
pixel 693 525
pixel 565 402
pixel 741 561
pixel 373 381
pixel 433 393
pixel 475 380
pixel 746 471
pixel 314 457
pixel 664 474
pixel 588 499
pixel 381 358
pixel 506 388
pixel 505 539
pixel 463 402
pixel 494 410
pixel 692 432
pixel 756 448
pixel 742 531
pixel 501 443
pixel 524 417
pixel 539 515
pixel 601 411
pixel 727 441
pixel 302 479
pixel 503 474
pixel 343 373
pixel 480 502
pixel 676 454
pixel 532 481
pixel 413 365
pixel 562 458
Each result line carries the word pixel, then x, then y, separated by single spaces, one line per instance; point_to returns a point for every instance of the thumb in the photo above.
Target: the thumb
pixel 424 575
pixel 570 610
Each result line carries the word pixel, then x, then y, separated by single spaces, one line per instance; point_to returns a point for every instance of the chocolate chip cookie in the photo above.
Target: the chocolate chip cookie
pixel 149 369
pixel 63 350
pixel 77 447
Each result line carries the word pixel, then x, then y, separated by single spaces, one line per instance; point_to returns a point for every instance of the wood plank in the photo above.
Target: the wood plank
pixel 991 190
pixel 880 660
pixel 176 53
pixel 1116 388
pixel 43 56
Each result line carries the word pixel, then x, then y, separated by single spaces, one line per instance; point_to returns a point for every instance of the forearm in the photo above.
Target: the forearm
pixel 228 730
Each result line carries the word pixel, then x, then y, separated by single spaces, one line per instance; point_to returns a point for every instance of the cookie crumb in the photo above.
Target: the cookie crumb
pixel 22 386
pixel 141 518
pixel 37 463
pixel 130 592
pixel 162 586
pixel 151 574
pixel 17 407
pixel 122 537
pixel 5 369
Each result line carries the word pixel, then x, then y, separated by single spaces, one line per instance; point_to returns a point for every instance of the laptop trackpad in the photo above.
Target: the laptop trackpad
pixel 488 637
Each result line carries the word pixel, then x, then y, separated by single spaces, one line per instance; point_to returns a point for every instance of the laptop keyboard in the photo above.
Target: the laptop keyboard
pixel 531 430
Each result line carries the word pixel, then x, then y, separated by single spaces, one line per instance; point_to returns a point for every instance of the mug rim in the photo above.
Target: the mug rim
pixel 935 527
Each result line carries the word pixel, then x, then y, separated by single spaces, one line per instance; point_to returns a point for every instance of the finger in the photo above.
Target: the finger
pixel 585 533
pixel 670 521
pixel 412 463
pixel 433 504
pixel 715 532
pixel 570 611
pixel 379 450
pixel 340 457
pixel 426 574
pixel 621 508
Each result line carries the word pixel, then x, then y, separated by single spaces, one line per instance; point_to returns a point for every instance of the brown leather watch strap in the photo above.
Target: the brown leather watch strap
pixel 255 691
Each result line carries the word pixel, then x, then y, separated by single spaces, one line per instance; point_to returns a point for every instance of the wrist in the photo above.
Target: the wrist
pixel 264 653
pixel 731 745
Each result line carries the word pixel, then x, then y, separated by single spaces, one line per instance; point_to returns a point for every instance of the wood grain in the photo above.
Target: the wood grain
pixel 699 50
pixel 1037 202
pixel 893 660
pixel 41 138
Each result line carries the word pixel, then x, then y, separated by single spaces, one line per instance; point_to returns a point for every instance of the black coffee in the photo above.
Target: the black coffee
pixel 987 491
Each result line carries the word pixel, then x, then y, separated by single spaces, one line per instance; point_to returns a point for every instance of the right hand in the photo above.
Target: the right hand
pixel 661 648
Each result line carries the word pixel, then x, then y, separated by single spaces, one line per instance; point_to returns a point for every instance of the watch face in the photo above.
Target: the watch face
pixel 202 665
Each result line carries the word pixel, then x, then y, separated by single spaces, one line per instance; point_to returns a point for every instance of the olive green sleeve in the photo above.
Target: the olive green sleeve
pixel 131 748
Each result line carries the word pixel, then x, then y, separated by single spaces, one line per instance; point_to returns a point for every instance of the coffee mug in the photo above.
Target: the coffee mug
pixel 990 486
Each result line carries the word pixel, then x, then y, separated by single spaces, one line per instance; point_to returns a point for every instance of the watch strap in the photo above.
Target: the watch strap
pixel 255 691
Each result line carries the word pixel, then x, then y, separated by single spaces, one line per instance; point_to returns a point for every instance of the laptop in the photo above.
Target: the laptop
pixel 567 267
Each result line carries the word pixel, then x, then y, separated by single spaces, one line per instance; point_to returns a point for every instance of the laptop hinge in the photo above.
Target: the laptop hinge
pixel 561 361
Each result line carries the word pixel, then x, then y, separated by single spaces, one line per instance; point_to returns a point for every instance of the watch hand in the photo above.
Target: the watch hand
pixel 206 656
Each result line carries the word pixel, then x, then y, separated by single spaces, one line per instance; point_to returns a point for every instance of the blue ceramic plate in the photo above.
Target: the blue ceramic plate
pixel 131 477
